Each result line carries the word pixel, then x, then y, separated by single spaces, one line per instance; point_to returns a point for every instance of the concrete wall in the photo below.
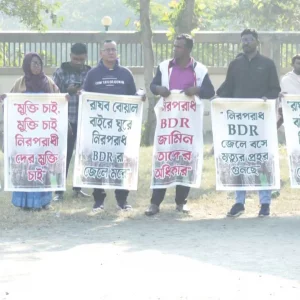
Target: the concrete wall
pixel 7 81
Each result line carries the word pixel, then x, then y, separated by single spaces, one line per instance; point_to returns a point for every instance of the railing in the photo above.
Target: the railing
pixel 214 49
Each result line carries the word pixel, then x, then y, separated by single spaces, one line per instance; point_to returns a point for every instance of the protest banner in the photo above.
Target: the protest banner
pixel 108 143
pixel 178 142
pixel 291 116
pixel 245 144
pixel 35 142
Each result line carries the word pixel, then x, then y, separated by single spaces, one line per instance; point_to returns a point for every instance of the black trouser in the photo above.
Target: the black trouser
pixel 181 194
pixel 70 149
pixel 121 196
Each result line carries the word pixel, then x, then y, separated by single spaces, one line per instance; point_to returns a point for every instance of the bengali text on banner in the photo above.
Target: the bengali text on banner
pixel 178 142
pixel 35 142
pixel 245 144
pixel 108 143
pixel 291 116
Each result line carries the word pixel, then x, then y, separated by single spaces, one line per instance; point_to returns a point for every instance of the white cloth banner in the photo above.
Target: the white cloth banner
pixel 178 143
pixel 245 144
pixel 291 117
pixel 35 142
pixel 108 141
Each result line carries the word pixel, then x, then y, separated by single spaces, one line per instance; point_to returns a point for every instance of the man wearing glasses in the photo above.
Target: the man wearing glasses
pixel 109 77
pixel 250 75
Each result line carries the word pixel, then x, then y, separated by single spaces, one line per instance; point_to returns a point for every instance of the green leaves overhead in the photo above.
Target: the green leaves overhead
pixel 260 14
pixel 32 13
pixel 225 14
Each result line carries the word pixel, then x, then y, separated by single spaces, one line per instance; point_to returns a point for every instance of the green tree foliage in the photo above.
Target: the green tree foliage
pixel 226 14
pixel 165 14
pixel 259 14
pixel 87 14
pixel 157 10
pixel 179 16
pixel 184 19
pixel 81 15
pixel 31 13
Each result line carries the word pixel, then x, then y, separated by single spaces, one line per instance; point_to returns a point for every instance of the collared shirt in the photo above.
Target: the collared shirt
pixel 207 90
pixel 256 78
pixel 181 78
pixel 63 78
pixel 290 83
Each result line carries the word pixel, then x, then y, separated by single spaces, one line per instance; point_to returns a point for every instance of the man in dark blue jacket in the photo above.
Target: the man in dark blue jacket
pixel 110 78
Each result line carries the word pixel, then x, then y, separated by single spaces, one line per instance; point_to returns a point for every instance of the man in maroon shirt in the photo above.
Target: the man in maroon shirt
pixel 180 73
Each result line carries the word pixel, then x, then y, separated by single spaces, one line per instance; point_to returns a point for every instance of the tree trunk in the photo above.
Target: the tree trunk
pixel 186 22
pixel 146 38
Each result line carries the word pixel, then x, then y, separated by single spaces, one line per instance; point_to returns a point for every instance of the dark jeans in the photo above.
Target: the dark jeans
pixel 182 193
pixel 70 149
pixel 121 196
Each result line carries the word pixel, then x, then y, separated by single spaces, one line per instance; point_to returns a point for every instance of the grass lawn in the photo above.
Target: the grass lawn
pixel 205 202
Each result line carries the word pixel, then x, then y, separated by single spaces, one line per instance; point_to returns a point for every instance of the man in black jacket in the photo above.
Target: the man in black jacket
pixel 250 75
